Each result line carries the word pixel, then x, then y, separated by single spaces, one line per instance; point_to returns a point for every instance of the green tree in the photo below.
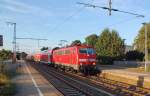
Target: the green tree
pixel 117 44
pixel 44 48
pixel 139 41
pixel 103 43
pixel 24 55
pixel 21 55
pixel 5 54
pixel 91 40
pixel 110 44
pixel 76 42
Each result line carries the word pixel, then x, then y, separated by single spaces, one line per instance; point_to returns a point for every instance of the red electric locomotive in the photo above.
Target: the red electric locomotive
pixel 78 58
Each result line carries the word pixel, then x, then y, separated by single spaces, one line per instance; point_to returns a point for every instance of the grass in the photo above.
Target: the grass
pixel 148 68
pixel 7 88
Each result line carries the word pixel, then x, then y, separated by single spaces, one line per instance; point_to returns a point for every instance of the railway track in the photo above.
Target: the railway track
pixel 67 85
pixel 92 85
pixel 115 87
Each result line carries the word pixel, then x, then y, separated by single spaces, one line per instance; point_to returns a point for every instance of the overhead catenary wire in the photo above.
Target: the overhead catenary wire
pixel 68 18
pixel 37 39
pixel 112 9
pixel 32 38
pixel 117 23
pixel 122 21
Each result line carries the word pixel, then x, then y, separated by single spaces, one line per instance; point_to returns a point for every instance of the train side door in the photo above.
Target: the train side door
pixel 74 56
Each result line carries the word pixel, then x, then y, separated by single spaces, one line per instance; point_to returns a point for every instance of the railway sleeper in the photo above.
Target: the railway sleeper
pixel 147 94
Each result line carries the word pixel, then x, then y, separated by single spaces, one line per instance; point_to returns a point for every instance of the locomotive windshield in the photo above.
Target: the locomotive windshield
pixel 87 51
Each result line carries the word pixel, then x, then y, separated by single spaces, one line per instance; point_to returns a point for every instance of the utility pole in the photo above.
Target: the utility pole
pixel 146 51
pixel 110 9
pixel 38 44
pixel 110 3
pixel 14 41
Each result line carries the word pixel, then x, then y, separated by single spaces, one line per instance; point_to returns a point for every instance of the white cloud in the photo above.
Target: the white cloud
pixel 20 7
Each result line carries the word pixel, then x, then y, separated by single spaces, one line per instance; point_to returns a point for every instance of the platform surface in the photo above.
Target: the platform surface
pixel 31 83
pixel 126 75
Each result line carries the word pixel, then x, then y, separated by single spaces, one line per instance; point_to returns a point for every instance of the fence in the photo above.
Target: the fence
pixel 129 63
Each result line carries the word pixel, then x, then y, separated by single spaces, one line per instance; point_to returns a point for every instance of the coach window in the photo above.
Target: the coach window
pixel 67 51
pixel 55 53
pixel 63 52
pixel 59 52
pixel 74 51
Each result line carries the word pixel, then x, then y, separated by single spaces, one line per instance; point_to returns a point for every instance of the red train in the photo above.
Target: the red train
pixel 79 58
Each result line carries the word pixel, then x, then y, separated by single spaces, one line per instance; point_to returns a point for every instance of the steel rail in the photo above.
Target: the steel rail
pixel 55 75
pixel 112 86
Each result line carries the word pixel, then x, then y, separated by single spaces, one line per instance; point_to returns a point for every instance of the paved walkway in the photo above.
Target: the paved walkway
pixel 125 75
pixel 31 83
pixel 122 70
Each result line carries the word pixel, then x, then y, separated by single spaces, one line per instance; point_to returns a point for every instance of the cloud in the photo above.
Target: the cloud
pixel 20 7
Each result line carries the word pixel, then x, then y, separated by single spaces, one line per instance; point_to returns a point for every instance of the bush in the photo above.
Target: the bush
pixel 7 87
pixel 3 79
pixel 108 60
pixel 105 60
pixel 8 90
pixel 148 68
pixel 134 55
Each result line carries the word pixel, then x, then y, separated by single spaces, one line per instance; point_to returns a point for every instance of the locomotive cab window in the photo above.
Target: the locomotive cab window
pixel 91 51
pixel 83 51
pixel 87 51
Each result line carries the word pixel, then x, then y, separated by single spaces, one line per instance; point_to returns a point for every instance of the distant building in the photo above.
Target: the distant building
pixel 128 48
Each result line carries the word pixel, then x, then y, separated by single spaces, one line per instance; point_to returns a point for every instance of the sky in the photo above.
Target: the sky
pixel 57 20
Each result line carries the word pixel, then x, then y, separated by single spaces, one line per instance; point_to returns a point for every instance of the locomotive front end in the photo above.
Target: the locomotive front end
pixel 87 60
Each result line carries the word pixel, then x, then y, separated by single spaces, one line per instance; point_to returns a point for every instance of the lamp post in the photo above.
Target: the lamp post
pixel 146 51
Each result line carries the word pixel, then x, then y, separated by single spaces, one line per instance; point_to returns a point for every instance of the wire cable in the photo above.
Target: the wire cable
pixel 117 23
pixel 67 19
pixel 106 8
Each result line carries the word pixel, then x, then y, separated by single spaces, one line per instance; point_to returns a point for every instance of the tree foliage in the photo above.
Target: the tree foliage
pixel 134 55
pixel 5 54
pixel 76 42
pixel 110 44
pixel 21 55
pixel 139 41
pixel 44 48
pixel 91 40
